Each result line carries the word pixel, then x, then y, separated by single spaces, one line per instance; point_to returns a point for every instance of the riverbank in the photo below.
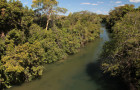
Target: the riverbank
pixel 26 49
pixel 78 72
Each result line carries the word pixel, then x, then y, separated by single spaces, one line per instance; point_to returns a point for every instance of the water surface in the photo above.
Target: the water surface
pixel 78 72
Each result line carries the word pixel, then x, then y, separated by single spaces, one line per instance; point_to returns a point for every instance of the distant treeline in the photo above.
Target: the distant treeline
pixel 27 42
pixel 121 55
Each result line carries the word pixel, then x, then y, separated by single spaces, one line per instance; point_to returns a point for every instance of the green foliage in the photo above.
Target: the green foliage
pixel 17 36
pixel 35 33
pixel 27 17
pixel 45 3
pixel 53 51
pixel 118 13
pixel 85 25
pixel 49 8
pixel 14 15
pixel 27 46
pixel 23 63
pixel 2 48
pixel 122 54
pixel 67 35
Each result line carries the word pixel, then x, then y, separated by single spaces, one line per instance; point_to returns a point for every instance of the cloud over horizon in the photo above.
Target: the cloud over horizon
pixel 88 4
pixel 135 1
pixel 118 2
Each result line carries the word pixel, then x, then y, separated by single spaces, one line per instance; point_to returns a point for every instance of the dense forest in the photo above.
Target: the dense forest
pixel 121 55
pixel 32 38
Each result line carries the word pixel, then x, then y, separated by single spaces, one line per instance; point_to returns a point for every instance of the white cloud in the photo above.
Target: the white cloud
pixel 118 2
pixel 89 4
pixel 135 1
pixel 86 3
pixel 94 4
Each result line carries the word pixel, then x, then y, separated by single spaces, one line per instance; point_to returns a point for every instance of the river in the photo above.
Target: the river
pixel 78 72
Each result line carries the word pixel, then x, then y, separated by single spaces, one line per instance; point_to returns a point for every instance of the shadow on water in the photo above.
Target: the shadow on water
pixel 78 72
pixel 105 80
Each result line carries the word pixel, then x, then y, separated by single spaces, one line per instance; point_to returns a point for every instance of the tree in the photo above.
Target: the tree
pixel 14 15
pixel 122 54
pixel 117 14
pixel 47 7
pixel 23 63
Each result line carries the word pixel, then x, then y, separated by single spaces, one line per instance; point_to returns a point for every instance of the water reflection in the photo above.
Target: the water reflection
pixel 105 80
pixel 78 72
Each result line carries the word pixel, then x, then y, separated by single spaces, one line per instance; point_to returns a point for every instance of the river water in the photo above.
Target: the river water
pixel 78 72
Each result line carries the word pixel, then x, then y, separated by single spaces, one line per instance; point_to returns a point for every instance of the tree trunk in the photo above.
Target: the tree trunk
pixel 2 35
pixel 48 19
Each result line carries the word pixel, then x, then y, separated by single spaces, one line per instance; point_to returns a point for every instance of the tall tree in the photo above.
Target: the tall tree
pixel 48 7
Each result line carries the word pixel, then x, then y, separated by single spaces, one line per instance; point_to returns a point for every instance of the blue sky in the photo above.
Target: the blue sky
pixel 97 6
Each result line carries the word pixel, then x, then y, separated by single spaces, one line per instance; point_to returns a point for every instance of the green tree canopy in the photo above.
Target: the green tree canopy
pixel 118 13
pixel 47 7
